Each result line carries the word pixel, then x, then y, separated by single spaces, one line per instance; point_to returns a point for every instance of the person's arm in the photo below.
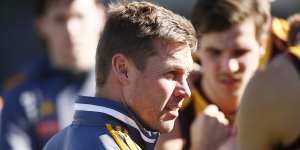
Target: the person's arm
pixel 269 109
pixel 230 144
pixel 172 140
pixel 254 121
pixel 210 129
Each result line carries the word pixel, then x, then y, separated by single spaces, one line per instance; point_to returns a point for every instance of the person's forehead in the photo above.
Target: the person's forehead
pixel 168 47
pixel 70 4
pixel 177 58
pixel 241 35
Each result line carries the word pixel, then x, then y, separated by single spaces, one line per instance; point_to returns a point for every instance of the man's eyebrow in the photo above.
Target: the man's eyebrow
pixel 212 48
pixel 182 69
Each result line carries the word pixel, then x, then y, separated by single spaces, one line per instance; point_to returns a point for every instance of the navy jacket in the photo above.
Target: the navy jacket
pixel 103 124
pixel 38 107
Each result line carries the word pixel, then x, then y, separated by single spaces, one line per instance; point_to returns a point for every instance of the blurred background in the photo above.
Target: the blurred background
pixel 19 44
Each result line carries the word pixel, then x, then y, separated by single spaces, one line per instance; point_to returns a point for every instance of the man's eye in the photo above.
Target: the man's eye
pixel 214 52
pixel 239 53
pixel 170 75
pixel 79 16
pixel 60 19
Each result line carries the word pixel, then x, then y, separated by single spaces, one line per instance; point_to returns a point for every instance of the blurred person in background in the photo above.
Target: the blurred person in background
pixel 294 30
pixel 230 36
pixel 41 103
pixel 275 32
pixel 269 112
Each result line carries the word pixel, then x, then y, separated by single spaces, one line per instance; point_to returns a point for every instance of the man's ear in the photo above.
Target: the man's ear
pixel 120 64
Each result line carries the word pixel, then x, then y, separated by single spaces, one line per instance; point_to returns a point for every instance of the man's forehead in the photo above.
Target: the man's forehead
pixel 68 3
pixel 169 49
pixel 76 7
pixel 237 37
pixel 176 54
pixel 53 3
pixel 181 59
pixel 247 26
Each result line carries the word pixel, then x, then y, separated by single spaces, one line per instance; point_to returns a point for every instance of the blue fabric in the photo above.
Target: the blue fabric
pixel 30 107
pixel 89 125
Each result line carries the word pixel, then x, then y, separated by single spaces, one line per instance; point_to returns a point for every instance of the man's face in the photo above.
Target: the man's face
pixel 229 59
pixel 156 94
pixel 71 31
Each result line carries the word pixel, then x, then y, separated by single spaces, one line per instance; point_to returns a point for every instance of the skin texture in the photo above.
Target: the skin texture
pixel 268 114
pixel 213 121
pixel 71 32
pixel 218 53
pixel 165 78
pixel 227 67
pixel 228 60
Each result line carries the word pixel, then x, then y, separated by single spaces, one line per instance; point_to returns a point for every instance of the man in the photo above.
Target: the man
pixel 269 117
pixel 142 64
pixel 230 38
pixel 36 108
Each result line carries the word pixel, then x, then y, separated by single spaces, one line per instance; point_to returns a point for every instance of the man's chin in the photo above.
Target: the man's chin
pixel 167 126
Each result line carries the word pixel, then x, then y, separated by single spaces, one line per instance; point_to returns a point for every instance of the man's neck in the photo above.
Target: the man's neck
pixel 227 105
pixel 110 91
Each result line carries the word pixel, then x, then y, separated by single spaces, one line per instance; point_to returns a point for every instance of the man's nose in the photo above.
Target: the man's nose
pixel 72 26
pixel 183 89
pixel 230 65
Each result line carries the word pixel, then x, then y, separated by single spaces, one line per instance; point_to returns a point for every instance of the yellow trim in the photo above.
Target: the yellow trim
pixel 132 145
pixel 118 128
pixel 46 108
pixel 185 103
pixel 199 101
pixel 125 131
pixel 115 136
pixel 1 103
pixel 128 140
pixel 13 81
pixel 267 53
pixel 280 27
pixel 295 50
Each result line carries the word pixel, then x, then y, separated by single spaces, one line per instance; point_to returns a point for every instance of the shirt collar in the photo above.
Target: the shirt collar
pixel 113 109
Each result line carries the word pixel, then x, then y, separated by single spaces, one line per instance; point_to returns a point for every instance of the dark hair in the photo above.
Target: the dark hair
pixel 131 29
pixel 219 15
pixel 294 31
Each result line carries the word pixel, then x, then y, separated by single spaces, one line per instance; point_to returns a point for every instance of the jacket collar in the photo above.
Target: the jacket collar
pixel 96 106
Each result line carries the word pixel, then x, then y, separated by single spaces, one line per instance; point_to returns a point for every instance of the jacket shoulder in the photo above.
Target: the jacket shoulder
pixel 78 137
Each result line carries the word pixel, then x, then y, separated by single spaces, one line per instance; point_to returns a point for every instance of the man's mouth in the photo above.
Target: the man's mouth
pixel 172 108
pixel 172 111
pixel 172 114
pixel 230 81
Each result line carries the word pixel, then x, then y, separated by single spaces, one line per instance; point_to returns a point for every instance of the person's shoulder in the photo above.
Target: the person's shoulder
pixel 270 100
pixel 27 73
pixel 78 137
pixel 272 90
pixel 277 77
pixel 13 97
pixel 26 82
